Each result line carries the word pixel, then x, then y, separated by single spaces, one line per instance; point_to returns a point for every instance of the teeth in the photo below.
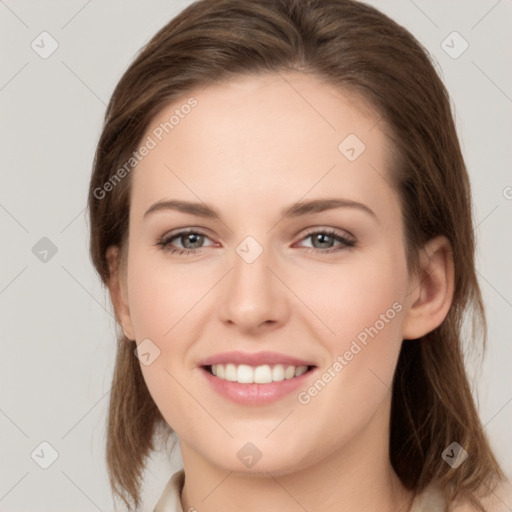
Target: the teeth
pixel 289 372
pixel 244 374
pixel 277 373
pixel 263 374
pixel 260 374
pixel 300 370
pixel 230 372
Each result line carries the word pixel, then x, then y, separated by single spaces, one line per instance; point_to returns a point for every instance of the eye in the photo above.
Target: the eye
pixel 322 241
pixel 191 242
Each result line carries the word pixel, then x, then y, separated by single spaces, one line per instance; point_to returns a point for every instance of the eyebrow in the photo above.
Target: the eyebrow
pixel 295 210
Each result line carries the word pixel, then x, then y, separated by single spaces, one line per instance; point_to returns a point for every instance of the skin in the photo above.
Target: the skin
pixel 251 147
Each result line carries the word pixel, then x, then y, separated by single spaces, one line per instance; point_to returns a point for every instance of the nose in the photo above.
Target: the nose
pixel 253 297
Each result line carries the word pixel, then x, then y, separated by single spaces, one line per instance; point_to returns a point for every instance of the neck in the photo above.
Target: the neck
pixel 356 477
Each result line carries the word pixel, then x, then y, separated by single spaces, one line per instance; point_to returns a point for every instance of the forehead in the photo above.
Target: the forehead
pixel 275 137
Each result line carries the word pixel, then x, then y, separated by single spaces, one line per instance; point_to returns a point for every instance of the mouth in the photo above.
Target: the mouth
pixel 257 385
pixel 262 374
pixel 256 378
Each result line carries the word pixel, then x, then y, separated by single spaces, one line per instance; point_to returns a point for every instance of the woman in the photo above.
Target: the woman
pixel 281 212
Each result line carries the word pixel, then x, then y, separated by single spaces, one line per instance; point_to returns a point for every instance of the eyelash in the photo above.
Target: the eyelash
pixel 346 243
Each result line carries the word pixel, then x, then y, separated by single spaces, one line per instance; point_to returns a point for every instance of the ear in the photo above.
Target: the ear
pixel 118 291
pixel 431 290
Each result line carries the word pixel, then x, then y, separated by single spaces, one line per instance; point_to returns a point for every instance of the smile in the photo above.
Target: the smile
pixel 259 385
pixel 263 374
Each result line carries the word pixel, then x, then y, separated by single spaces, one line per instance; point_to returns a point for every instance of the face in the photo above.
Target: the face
pixel 327 285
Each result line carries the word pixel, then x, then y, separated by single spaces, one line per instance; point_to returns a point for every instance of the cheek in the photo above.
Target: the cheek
pixel 361 303
pixel 163 301
pixel 352 295
pixel 168 303
pixel 161 294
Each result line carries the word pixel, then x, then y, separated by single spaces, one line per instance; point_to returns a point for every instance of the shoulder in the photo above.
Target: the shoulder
pixel 498 500
pixel 432 499
pixel 170 500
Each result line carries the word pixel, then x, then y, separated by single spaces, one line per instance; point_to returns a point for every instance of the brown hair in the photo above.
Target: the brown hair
pixel 359 50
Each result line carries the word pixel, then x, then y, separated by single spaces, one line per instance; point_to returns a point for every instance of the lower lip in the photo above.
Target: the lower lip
pixel 255 394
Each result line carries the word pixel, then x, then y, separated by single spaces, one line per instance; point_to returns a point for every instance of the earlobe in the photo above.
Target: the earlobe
pixel 118 293
pixel 431 291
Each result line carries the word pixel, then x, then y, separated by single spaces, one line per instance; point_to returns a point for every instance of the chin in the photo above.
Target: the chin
pixel 252 458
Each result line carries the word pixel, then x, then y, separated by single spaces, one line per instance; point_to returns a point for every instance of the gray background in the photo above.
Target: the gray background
pixel 57 325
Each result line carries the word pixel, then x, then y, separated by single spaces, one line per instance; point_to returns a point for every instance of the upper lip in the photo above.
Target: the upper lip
pixel 254 359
